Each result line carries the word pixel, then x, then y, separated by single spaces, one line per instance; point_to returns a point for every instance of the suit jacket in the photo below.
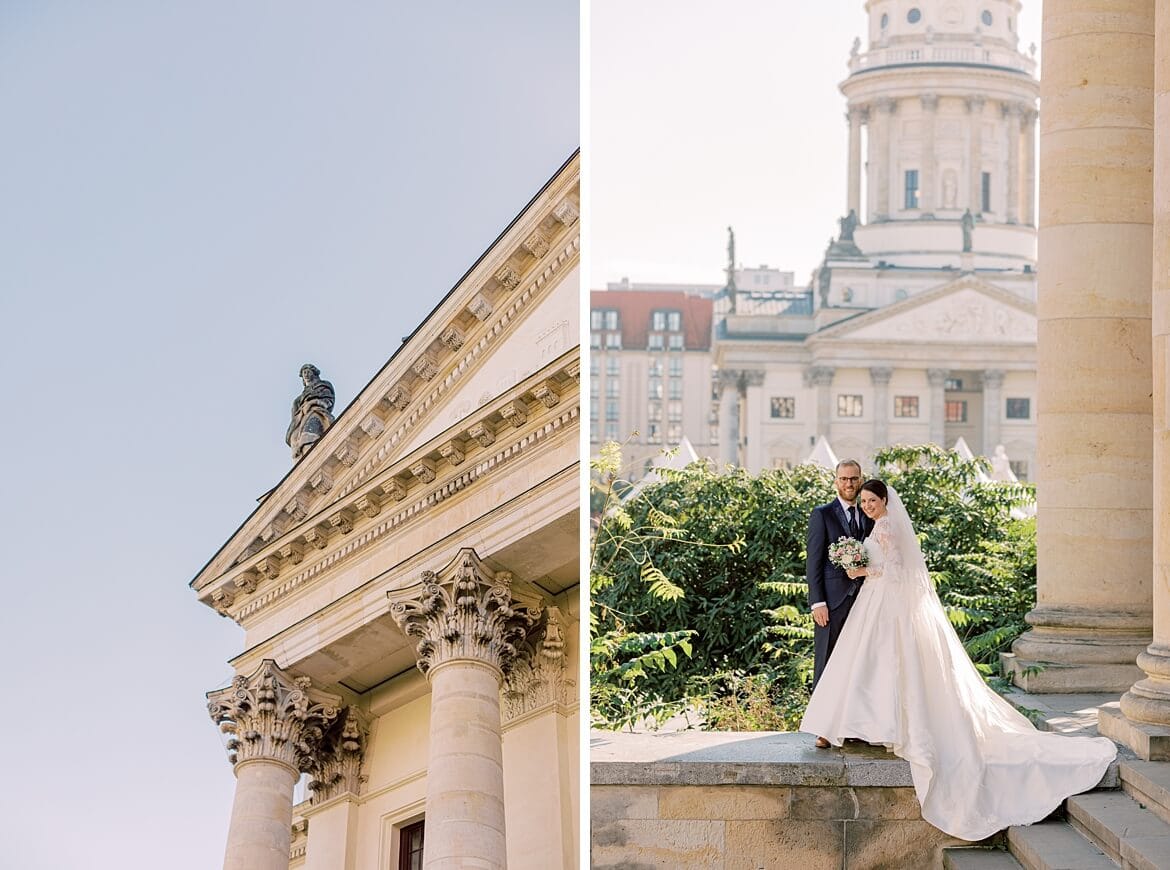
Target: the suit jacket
pixel 827 582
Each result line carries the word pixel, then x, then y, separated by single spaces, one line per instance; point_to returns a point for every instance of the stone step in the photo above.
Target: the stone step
pixel 978 859
pixel 1148 783
pixel 1130 834
pixel 1055 845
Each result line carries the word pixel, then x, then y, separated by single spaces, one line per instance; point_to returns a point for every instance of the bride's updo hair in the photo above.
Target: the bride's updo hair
pixel 877 488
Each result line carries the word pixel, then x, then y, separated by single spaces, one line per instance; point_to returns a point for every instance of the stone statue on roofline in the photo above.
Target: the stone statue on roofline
pixel 312 412
pixel 967 222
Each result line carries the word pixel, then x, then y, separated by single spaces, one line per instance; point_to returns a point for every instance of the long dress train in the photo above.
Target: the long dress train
pixel 899 676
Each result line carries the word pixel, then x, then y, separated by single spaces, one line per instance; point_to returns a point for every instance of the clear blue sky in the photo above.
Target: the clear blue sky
pixel 195 199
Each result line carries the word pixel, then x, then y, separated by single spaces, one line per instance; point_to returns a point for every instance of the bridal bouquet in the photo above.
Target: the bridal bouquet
pixel 848 553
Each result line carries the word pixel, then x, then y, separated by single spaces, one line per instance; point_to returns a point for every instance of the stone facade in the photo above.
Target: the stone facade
pixel 417 571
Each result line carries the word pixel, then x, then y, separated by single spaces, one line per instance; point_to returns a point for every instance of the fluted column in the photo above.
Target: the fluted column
pixel 938 405
pixel 1012 113
pixel 1148 700
pixel 856 117
pixel 1094 411
pixel 277 723
pixel 821 377
pixel 880 378
pixel 992 410
pixel 879 159
pixel 753 382
pixel 975 156
pixel 1030 121
pixel 471 635
pixel 927 183
pixel 728 415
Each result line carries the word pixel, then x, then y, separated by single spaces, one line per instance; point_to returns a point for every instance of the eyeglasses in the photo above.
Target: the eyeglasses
pixel 849 479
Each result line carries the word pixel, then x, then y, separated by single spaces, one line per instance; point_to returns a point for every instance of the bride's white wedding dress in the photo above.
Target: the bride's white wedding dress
pixel 899 676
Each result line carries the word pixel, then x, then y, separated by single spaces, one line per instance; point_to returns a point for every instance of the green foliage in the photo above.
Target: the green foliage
pixel 739 586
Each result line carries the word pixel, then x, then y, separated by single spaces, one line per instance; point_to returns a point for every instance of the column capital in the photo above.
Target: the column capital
pixel 993 378
pixel 337 765
pixel 728 378
pixel 857 114
pixel 937 377
pixel 819 376
pixel 1012 109
pixel 930 102
pixel 540 679
pixel 753 378
pixel 466 611
pixel 975 105
pixel 880 376
pixel 887 105
pixel 271 714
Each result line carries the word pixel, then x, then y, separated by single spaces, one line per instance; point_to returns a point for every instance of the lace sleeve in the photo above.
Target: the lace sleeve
pixel 892 562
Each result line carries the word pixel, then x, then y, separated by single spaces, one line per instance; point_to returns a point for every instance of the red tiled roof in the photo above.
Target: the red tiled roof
pixel 635 307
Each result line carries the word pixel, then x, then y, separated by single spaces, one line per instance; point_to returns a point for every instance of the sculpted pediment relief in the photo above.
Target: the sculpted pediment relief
pixel 957 314
pixel 514 314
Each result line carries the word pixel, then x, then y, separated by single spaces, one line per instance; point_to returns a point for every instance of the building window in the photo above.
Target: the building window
pixel 953 384
pixel 594 411
pixel 1019 409
pixel 613 341
pixel 595 340
pixel 654 433
pixel 956 411
pixel 594 365
pixel 713 437
pixel 676 341
pixel 666 321
pixel 914 15
pixel 848 406
pixel 675 367
pixel 654 411
pixel 410 847
pixel 613 388
pixel 596 318
pixel 613 366
pixel 604 318
pixel 783 407
pixel 905 406
pixel 611 409
pixel 1019 468
pixel 656 388
pixel 611 431
pixel 985 199
pixel 655 341
pixel 674 412
pixel 674 433
pixel 911 188
pixel 675 388
pixel 655 368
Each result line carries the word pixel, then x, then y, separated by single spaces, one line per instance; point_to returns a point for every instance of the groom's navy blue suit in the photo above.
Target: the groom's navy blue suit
pixel 827 582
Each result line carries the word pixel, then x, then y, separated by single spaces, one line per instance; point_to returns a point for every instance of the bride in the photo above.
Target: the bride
pixel 899 676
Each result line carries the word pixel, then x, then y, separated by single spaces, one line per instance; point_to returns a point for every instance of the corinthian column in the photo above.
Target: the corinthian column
pixel 470 637
pixel 1094 483
pixel 1148 700
pixel 992 409
pixel 728 415
pixel 880 378
pixel 975 156
pixel 1012 112
pixel 938 405
pixel 926 186
pixel 1030 167
pixel 753 386
pixel 821 377
pixel 879 159
pixel 856 116
pixel 276 722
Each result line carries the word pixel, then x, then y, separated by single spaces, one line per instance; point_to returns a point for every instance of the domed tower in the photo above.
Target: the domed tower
pixel 947 105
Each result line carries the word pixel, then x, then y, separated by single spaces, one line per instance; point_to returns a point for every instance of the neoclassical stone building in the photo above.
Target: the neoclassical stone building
pixel 920 322
pixel 410 593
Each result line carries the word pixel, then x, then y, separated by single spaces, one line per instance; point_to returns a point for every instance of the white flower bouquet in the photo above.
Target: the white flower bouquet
pixel 848 553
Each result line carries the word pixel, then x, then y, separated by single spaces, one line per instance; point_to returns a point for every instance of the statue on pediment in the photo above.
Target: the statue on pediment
pixel 848 225
pixel 967 222
pixel 312 412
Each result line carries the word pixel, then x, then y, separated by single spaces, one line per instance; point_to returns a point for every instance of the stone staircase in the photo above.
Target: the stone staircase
pixel 1123 823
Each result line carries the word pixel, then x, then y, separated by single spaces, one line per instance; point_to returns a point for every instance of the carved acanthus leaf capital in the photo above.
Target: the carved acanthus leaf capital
pixel 540 679
pixel 273 715
pixel 337 766
pixel 465 612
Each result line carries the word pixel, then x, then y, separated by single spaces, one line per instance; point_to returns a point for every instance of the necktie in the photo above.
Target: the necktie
pixel 854 523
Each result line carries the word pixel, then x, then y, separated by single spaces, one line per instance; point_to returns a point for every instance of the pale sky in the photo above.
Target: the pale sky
pixel 707 114
pixel 195 199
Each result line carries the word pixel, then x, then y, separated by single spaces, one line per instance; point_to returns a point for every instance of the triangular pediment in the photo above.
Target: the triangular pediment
pixel 967 310
pixel 501 346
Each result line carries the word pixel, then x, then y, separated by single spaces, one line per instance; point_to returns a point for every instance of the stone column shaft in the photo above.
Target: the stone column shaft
pixel 879 160
pixel 260 831
pixel 728 419
pixel 1094 452
pixel 938 405
pixel 1012 112
pixel 1030 170
pixel 926 183
pixel 880 377
pixel 855 117
pixel 821 377
pixel 992 410
pixel 975 157
pixel 753 425
pixel 1148 700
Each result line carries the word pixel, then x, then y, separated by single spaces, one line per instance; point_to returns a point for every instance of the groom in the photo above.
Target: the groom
pixel 830 593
